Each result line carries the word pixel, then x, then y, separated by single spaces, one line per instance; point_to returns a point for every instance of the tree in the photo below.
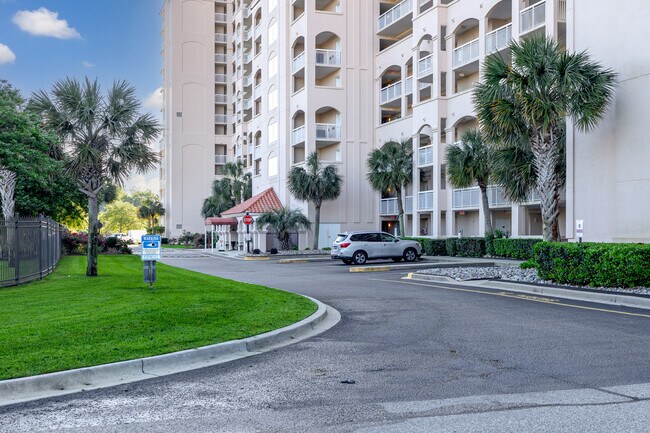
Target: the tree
pixel 235 187
pixel 284 221
pixel 239 181
pixel 103 139
pixel 119 217
pixel 137 198
pixel 315 184
pixel 469 163
pixel 532 98
pixel 219 201
pixel 151 209
pixel 391 168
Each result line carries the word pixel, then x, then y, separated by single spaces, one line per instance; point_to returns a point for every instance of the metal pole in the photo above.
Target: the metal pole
pixel 40 244
pixel 16 252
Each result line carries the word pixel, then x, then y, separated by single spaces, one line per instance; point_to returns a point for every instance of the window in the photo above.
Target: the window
pixel 273 132
pixel 273 99
pixel 386 237
pixel 273 33
pixel 443 176
pixel 273 66
pixel 273 165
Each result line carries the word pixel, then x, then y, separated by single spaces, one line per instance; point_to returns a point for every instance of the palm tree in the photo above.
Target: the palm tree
pixel 284 221
pixel 391 168
pixel 239 181
pixel 469 163
pixel 315 184
pixel 151 209
pixel 220 200
pixel 532 98
pixel 103 139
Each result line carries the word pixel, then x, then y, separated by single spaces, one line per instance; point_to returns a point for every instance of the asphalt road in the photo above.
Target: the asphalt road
pixel 406 357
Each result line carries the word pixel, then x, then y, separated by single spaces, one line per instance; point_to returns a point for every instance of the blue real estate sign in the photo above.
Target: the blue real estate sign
pixel 151 248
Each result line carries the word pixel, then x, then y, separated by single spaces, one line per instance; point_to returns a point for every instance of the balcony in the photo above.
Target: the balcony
pixel 220 78
pixel 251 148
pixel 221 38
pixel 390 93
pixel 220 98
pixel 409 86
pixel 408 204
pixel 561 10
pixel 425 66
pixel 248 81
pixel 328 132
pixel 298 62
pixel 388 206
pixel 247 35
pixel 328 58
pixel 248 104
pixel 498 39
pixel 466 53
pixel 533 17
pixel 220 159
pixel 425 200
pixel 257 33
pixel 248 57
pixel 221 18
pixel 298 135
pixel 257 153
pixel 257 92
pixel 395 20
pixel 221 58
pixel 221 119
pixel 470 198
pixel 425 155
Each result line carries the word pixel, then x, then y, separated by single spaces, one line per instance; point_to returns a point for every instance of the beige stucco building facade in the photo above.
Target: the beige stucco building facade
pixel 269 81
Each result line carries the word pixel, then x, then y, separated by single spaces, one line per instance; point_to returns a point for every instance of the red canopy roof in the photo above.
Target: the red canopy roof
pixel 215 221
pixel 263 202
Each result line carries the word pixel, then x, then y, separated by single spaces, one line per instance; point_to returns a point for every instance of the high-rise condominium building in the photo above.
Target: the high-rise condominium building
pixel 267 82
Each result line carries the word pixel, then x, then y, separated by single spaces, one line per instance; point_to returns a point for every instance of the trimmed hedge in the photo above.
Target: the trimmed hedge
pixel 594 264
pixel 465 247
pixel 430 247
pixel 520 249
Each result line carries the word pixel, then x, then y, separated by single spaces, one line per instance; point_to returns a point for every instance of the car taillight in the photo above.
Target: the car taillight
pixel 345 244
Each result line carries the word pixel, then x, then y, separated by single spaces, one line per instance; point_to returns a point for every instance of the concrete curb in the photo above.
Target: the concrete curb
pixel 620 300
pixel 101 376
pixel 383 268
pixel 305 260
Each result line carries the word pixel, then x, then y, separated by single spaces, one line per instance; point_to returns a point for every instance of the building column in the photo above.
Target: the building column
pixel 416 186
pixel 451 215
pixel 435 182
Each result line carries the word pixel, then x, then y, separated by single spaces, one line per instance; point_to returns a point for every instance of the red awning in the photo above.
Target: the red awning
pixel 215 221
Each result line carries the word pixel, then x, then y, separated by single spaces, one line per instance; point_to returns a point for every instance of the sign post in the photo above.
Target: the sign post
pixel 151 251
pixel 579 230
pixel 248 220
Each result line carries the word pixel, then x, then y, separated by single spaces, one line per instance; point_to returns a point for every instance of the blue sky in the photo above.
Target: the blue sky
pixel 107 39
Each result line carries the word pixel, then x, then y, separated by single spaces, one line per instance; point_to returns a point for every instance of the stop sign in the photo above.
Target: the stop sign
pixel 248 220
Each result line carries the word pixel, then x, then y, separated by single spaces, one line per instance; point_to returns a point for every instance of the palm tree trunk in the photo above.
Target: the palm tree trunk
pixel 400 212
pixel 545 161
pixel 93 235
pixel 316 227
pixel 487 216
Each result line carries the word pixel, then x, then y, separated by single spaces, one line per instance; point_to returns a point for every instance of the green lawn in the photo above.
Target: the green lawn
pixel 177 246
pixel 68 320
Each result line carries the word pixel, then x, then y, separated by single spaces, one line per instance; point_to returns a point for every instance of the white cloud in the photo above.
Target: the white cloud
pixel 6 55
pixel 43 22
pixel 87 64
pixel 155 100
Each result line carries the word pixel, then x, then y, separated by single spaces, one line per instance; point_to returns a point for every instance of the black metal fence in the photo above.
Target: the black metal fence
pixel 30 248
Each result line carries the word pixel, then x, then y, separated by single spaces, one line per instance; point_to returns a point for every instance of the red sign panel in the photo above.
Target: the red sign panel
pixel 248 220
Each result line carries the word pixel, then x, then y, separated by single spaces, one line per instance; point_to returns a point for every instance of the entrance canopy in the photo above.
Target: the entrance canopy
pixel 265 201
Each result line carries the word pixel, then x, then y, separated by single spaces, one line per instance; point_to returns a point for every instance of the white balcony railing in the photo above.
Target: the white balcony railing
pixel 221 37
pixel 248 81
pixel 561 10
pixel 257 92
pixel 425 155
pixel 328 131
pixel 221 58
pixel 466 53
pixel 388 206
pixel 298 135
pixel 409 86
pixel 220 118
pixel 393 14
pixel 470 198
pixel 425 66
pixel 532 17
pixel 298 62
pixel 220 99
pixel 258 31
pixel 247 35
pixel 220 18
pixel 251 148
pixel 425 200
pixel 328 57
pixel 498 39
pixel 220 78
pixel 390 92
pixel 248 103
pixel 220 159
pixel 256 152
pixel 408 204
pixel 248 57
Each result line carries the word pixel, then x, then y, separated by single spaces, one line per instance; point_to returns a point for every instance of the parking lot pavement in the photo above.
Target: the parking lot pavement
pixel 404 357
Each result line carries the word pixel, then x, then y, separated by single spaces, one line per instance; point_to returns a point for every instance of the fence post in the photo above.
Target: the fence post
pixel 16 252
pixel 40 245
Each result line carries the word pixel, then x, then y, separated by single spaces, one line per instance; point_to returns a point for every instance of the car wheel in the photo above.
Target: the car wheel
pixel 347 262
pixel 397 259
pixel 410 255
pixel 360 257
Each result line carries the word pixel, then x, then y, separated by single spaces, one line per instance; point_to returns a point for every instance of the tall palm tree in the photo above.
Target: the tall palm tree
pixel 220 200
pixel 151 210
pixel 315 184
pixel 284 221
pixel 391 168
pixel 239 181
pixel 469 163
pixel 103 139
pixel 532 98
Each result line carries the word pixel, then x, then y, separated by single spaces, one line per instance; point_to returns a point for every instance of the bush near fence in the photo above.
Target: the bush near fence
pixel 430 247
pixel 520 249
pixel 594 264
pixel 466 247
pixel 76 244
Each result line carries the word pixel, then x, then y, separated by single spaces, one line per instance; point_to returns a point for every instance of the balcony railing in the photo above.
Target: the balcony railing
pixel 248 80
pixel 425 200
pixel 328 57
pixel 248 104
pixel 220 118
pixel 390 92
pixel 298 135
pixel 221 37
pixel 220 78
pixel 425 155
pixel 408 204
pixel 298 62
pixel 561 10
pixel 466 53
pixel 470 198
pixel 532 17
pixel 498 39
pixel 251 148
pixel 388 206
pixel 425 66
pixel 220 18
pixel 256 152
pixel 409 85
pixel 395 13
pixel 220 159
pixel 221 58
pixel 257 92
pixel 220 99
pixel 247 35
pixel 258 31
pixel 328 131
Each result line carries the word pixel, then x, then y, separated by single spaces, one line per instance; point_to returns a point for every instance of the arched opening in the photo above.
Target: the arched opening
pixel 328 133
pixel 499 29
pixel 298 137
pixel 425 68
pixel 328 59
pixel 390 95
pixel 466 55
pixel 298 64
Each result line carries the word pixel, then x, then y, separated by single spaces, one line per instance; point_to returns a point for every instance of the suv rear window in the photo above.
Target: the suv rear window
pixel 365 237
pixel 341 237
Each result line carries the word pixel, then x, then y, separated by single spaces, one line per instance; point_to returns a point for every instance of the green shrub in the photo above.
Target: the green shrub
pixel 520 249
pixel 430 247
pixel 451 245
pixel 326 249
pixel 489 240
pixel 528 264
pixel 608 265
pixel 465 247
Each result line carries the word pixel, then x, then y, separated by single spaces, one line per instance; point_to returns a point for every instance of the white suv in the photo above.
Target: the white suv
pixel 359 247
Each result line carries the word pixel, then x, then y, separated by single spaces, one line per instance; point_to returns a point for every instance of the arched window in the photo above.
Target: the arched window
pixel 273 98
pixel 273 32
pixel 272 165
